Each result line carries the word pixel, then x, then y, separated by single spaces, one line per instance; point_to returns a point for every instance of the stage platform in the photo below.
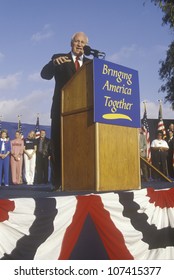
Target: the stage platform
pixel 48 190
pixel 39 223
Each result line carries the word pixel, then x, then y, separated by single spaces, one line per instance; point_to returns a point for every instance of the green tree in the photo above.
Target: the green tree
pixel 167 7
pixel 166 71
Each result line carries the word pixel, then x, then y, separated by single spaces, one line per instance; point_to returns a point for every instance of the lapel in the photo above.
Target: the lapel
pixel 72 65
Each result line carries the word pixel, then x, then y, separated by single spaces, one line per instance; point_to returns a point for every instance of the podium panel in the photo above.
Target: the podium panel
pixel 78 160
pixel 117 158
pixel 95 156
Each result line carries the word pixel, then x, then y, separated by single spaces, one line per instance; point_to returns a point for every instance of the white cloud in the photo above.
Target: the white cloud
pixel 39 101
pixel 45 33
pixel 137 54
pixel 28 107
pixel 123 53
pixel 10 81
pixel 35 77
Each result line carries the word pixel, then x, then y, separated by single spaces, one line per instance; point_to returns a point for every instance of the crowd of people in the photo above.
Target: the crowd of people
pixel 162 153
pixel 24 161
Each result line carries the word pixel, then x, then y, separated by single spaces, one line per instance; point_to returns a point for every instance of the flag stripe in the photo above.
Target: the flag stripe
pixel 130 225
pixel 6 207
pixel 111 236
pixel 66 207
pixel 39 231
pixel 160 122
pixel 147 134
pixel 153 237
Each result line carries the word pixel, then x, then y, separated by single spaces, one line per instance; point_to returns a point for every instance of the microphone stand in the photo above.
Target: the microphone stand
pixel 98 54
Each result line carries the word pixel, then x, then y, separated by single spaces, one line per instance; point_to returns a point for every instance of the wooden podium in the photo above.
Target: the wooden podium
pixel 95 156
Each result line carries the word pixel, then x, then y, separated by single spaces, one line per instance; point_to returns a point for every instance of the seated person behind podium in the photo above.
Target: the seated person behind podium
pixel 62 68
pixel 159 153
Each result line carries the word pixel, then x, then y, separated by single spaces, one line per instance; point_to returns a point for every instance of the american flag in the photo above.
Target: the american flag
pixel 37 129
pixel 161 126
pixel 20 128
pixel 147 134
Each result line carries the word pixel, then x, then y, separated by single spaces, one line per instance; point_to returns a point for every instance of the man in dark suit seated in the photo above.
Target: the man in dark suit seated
pixel 62 67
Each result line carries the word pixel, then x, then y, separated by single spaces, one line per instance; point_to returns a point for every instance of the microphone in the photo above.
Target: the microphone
pixel 95 53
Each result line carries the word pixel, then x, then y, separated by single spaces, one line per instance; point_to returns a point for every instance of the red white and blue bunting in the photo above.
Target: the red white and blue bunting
pixel 113 225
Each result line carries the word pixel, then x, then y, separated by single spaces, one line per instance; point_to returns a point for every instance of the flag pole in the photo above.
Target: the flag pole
pixel 144 103
pixel 20 126
pixel 19 118
pixel 37 127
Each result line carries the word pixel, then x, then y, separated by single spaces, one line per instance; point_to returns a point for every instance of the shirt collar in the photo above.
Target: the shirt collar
pixel 74 57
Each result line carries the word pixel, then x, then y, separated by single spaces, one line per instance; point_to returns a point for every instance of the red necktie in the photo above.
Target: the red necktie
pixel 77 64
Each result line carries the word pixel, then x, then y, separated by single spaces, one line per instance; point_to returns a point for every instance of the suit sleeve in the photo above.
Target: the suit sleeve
pixel 48 71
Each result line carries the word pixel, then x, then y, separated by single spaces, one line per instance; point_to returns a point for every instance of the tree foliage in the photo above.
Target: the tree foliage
pixel 167 7
pixel 166 71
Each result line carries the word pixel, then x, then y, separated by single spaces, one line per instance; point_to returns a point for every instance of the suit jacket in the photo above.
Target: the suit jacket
pixel 62 74
pixel 7 146
pixel 170 142
pixel 46 148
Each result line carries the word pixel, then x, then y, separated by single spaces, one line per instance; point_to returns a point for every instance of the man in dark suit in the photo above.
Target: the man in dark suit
pixel 43 154
pixel 62 67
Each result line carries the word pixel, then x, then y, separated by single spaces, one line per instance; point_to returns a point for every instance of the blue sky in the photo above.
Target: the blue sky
pixel 31 31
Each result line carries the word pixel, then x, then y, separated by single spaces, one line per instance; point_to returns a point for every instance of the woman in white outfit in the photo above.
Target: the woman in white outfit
pixel 30 147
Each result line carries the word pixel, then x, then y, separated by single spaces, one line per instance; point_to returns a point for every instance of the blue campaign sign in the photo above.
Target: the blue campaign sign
pixel 116 94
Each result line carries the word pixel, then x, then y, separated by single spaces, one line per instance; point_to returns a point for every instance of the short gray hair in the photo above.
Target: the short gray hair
pixel 75 34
